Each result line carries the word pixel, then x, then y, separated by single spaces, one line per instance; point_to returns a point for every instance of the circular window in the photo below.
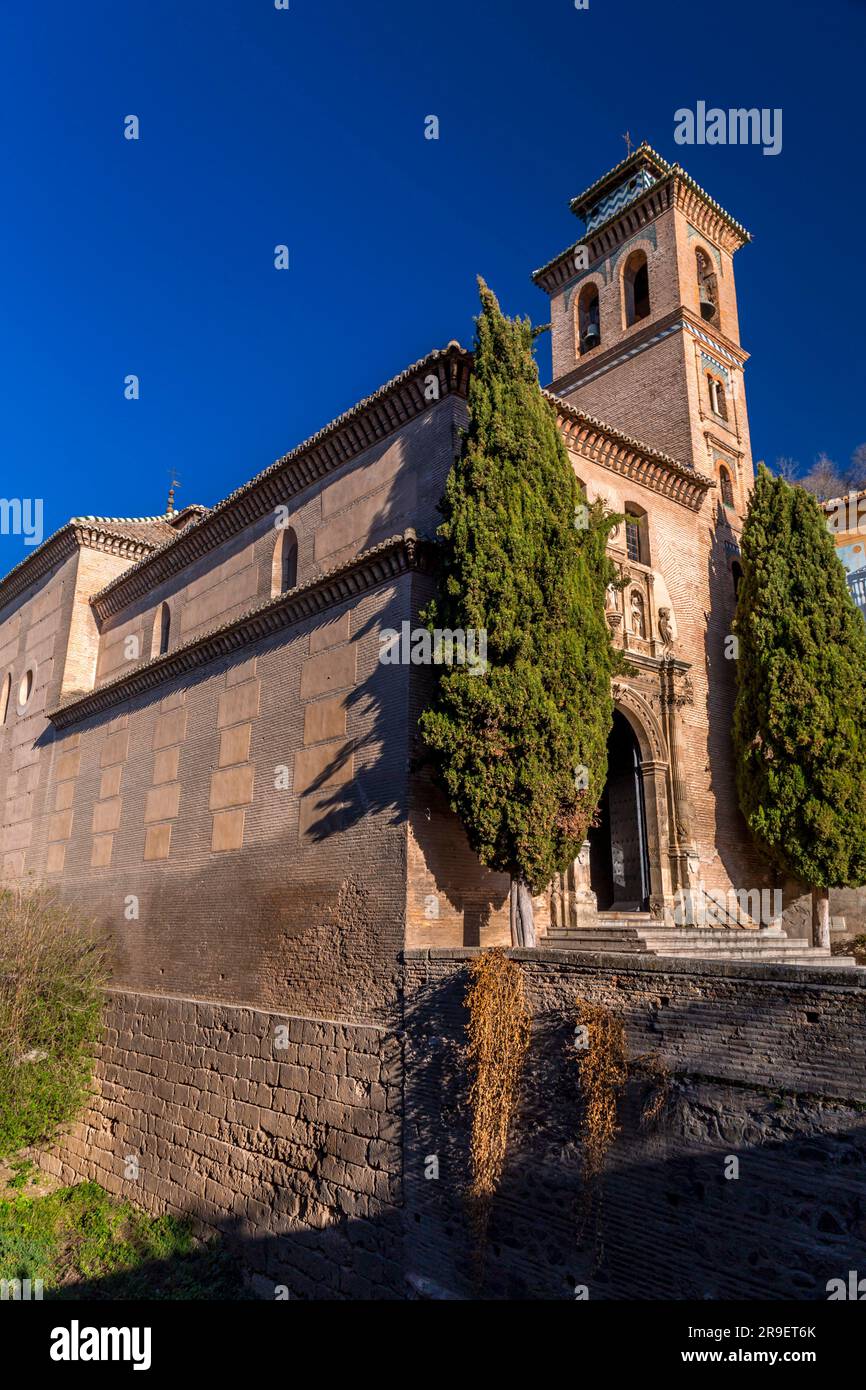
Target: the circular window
pixel 25 688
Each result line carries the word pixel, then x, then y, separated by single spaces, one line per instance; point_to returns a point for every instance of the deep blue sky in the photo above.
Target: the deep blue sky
pixel 260 126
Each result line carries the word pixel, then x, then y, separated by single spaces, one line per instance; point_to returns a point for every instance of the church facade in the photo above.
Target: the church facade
pixel 202 748
pixel 201 744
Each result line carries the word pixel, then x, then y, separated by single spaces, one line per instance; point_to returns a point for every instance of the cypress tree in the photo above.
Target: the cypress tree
pixel 521 748
pixel 800 713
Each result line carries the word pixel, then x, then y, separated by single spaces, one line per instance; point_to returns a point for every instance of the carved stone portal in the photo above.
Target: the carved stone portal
pixel 573 903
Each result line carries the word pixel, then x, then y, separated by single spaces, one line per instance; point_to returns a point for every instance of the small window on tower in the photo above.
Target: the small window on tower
pixel 718 404
pixel 726 486
pixel 636 535
pixel 589 322
pixel 636 286
pixel 737 576
pixel 708 288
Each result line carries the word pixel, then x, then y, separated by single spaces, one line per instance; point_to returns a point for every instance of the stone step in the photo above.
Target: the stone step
pixel 598 941
pixel 725 940
pixel 638 933
pixel 590 932
pixel 732 941
pixel 677 937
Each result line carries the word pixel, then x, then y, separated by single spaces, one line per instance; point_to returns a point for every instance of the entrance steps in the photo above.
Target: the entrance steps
pixel 636 933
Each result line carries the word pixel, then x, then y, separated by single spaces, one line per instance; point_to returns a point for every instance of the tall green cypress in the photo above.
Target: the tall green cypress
pixel 521 748
pixel 800 713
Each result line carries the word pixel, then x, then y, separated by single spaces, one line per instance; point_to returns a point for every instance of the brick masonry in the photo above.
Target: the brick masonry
pixel 307 1143
pixel 278 1133
pixel 766 1067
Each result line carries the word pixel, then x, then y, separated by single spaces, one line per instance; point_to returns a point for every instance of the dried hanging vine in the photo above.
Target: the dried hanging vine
pixel 602 1073
pixel 498 1038
pixel 653 1068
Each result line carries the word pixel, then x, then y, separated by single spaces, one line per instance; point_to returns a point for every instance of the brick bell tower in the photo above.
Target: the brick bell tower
pixel 644 318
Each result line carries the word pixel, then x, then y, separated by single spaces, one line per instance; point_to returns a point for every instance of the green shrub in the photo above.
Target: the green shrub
pixel 84 1244
pixel 52 969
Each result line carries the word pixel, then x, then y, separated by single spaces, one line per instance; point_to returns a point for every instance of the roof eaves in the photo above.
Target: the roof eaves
pixel 453 349
pixel 643 153
pixel 90 532
pixel 636 446
pixel 387 560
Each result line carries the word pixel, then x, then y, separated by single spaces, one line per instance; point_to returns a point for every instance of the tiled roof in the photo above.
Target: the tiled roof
pixel 366 422
pixel 836 502
pixel 664 173
pixel 152 530
pixel 644 155
pixel 172 540
pixel 130 536
pixel 143 538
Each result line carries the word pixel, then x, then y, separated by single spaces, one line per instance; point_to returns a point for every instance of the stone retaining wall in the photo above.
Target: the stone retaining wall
pixel 335 1154
pixel 765 1065
pixel 287 1143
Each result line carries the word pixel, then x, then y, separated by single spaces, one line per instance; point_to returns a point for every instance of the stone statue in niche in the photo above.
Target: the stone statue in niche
pixel 666 631
pixel 610 598
pixel 638 624
pixel 557 915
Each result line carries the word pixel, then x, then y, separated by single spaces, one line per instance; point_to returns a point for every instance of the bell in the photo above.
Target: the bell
pixel 708 305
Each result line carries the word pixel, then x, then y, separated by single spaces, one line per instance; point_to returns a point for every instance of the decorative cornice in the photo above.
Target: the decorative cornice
pixel 705 213
pixel 678 319
pixel 605 238
pixel 619 452
pixel 368 570
pixel 365 424
pixel 91 532
pixel 643 157
pixel 716 341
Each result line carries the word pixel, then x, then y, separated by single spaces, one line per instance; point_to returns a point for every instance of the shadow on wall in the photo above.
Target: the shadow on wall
pixel 665 1221
pixel 471 902
pixel 380 704
pixel 394 778
pixel 261 923
pixel 669 1225
pixel 740 858
pixel 343 1261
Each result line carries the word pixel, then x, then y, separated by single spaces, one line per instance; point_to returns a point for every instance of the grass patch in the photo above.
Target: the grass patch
pixel 52 969
pixel 82 1243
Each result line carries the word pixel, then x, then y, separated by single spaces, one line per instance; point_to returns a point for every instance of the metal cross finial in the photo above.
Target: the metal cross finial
pixel 627 139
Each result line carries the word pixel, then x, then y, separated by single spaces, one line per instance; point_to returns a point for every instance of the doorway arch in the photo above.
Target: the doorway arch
pixel 619 848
